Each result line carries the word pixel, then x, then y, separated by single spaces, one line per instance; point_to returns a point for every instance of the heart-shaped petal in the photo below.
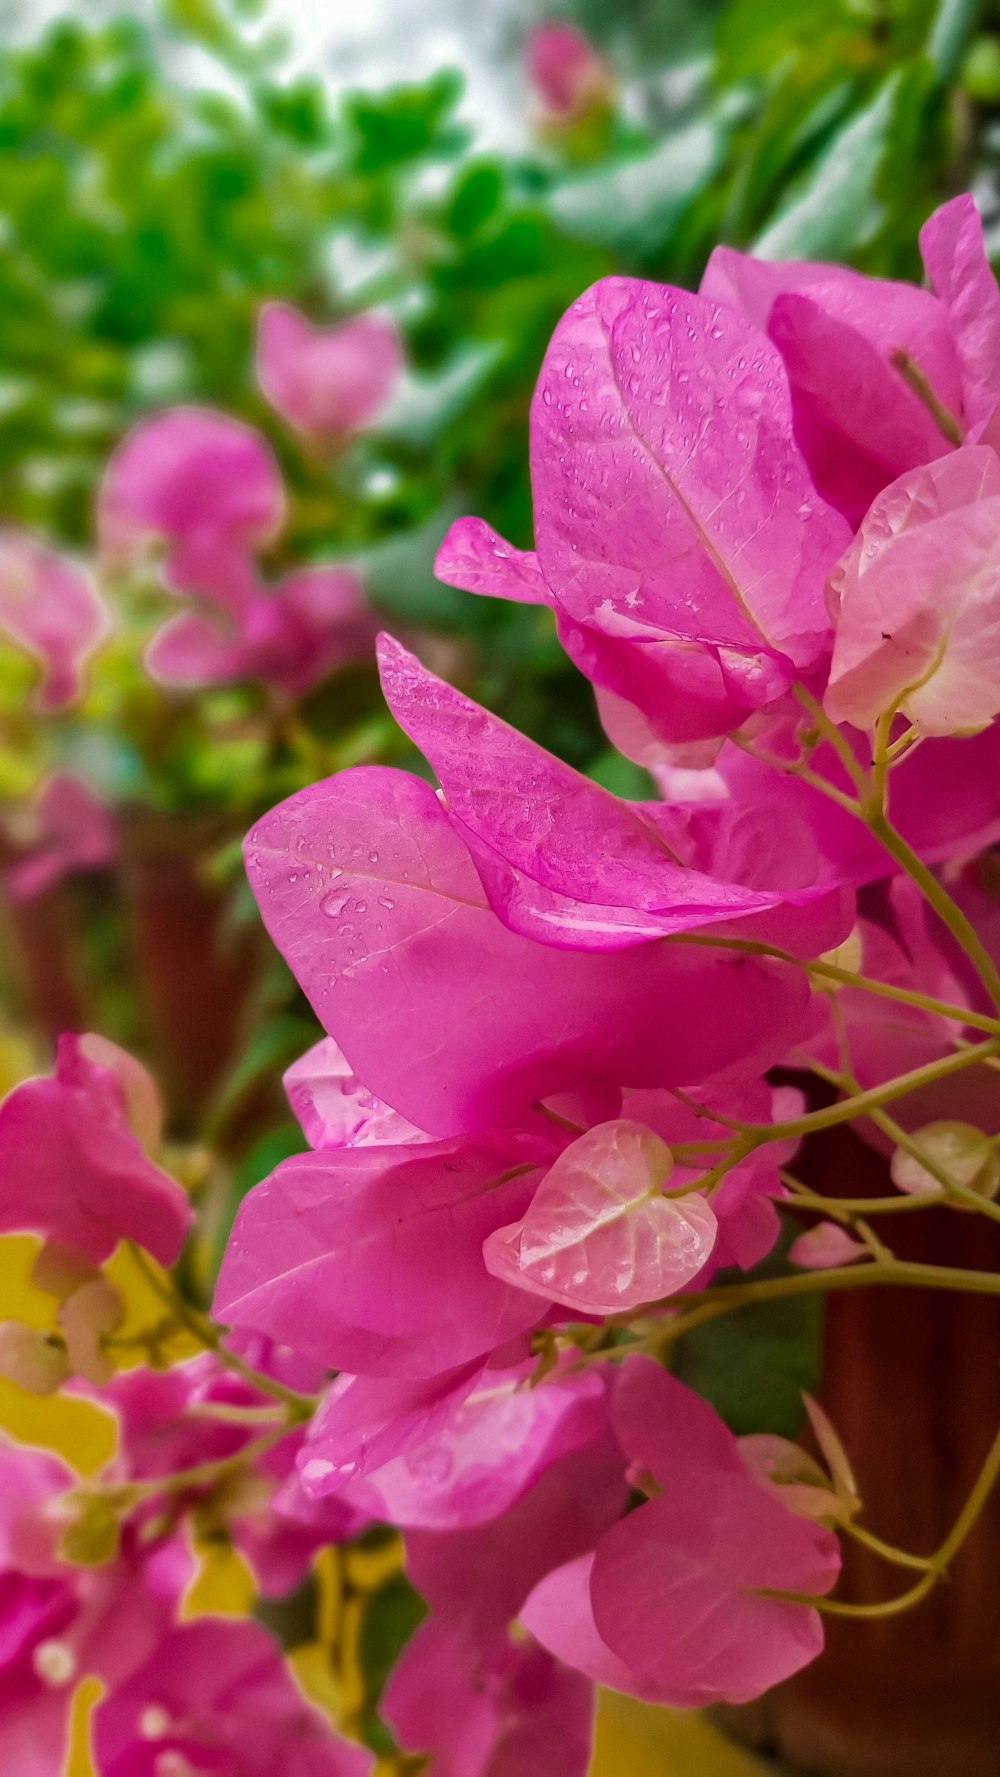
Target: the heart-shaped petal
pixel 599 1235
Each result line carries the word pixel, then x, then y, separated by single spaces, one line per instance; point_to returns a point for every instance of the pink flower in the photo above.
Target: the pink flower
pixel 166 1425
pixel 327 381
pixel 565 861
pixel 215 1696
pixel 684 558
pixel 904 945
pixel 69 828
pixel 574 1500
pixel 954 254
pixel 333 1107
pixel 49 607
pixel 370 1259
pixel 671 1606
pixel 859 420
pixel 187 480
pixel 58 1622
pixel 856 419
pixel 945 801
pixel 486 1706
pixel 450 1452
pixel 916 601
pixel 566 71
pixel 371 893
pixel 291 635
pixel 72 1160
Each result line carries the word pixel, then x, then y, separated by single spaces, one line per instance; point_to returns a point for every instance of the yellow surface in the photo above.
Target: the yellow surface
pixel 223 1585
pixel 81 1433
pixel 635 1740
pixel 80 1761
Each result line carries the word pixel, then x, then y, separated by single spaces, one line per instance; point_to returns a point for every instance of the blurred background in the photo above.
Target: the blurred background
pixel 169 167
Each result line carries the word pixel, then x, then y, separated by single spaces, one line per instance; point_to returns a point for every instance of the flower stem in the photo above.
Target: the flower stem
pixel 302 1406
pixel 845 978
pixel 947 910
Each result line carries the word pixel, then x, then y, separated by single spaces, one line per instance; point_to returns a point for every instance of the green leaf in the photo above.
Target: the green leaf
pixel 836 209
pixel 633 205
pixel 755 36
pixel 948 40
pixel 754 1364
pixel 622 776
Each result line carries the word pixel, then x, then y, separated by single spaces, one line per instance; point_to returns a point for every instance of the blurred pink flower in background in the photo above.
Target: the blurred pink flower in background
pixel 49 607
pixel 327 382
pixel 68 827
pixel 290 635
pixel 185 481
pixel 566 71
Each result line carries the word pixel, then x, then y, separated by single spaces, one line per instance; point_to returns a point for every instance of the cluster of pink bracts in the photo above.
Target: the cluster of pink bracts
pixel 192 497
pixel 201 495
pixel 776 495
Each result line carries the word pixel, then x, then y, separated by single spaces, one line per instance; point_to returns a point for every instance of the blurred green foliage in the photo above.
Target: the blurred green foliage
pixel 143 223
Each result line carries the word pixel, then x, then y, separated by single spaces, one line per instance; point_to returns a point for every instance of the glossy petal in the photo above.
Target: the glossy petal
pixel 333 1107
pixel 675 1590
pixel 560 1518
pixel 647 513
pixel 50 607
pixel 857 421
pixel 473 557
pixel 564 860
pixel 466 1458
pixel 72 1168
pixel 560 1615
pixel 326 381
pixel 917 601
pixel 374 900
pixel 675 1585
pixel 954 253
pixel 599 1236
pixel 370 1260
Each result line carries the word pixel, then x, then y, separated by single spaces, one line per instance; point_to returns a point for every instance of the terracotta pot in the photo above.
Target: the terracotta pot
pixel 194 969
pixel 41 958
pixel 911 1380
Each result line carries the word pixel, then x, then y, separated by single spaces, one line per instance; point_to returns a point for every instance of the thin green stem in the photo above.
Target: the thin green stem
pixel 844 1209
pixel 726 1298
pixel 863 1103
pixel 301 1406
pixel 888 1551
pixel 937 896
pixel 845 978
pixel 832 734
pixel 937 1563
pixel 952 1187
